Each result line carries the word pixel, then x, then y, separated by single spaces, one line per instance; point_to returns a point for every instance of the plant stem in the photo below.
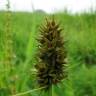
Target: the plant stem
pixel 27 92
pixel 50 91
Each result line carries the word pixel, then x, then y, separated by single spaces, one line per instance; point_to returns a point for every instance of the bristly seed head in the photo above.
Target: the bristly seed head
pixel 51 56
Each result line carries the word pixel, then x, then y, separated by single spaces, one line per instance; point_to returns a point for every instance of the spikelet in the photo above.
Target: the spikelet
pixel 51 55
pixel 8 50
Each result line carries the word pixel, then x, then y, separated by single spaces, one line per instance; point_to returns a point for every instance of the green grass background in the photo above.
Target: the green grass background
pixel 80 34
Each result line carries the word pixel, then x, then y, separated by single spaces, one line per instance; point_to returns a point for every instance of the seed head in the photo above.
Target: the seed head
pixel 51 56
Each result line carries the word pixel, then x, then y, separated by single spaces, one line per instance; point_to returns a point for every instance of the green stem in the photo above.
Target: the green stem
pixel 27 92
pixel 50 91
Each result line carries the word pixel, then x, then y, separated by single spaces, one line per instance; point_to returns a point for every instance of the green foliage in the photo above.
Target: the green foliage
pixel 80 33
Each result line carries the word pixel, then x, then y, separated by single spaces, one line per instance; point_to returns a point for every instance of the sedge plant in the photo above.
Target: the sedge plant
pixel 51 56
pixel 9 87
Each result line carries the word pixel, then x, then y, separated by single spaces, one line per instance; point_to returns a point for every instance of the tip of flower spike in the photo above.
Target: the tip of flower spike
pixel 53 21
pixel 48 23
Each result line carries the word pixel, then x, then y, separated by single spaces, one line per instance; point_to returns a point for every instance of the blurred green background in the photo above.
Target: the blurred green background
pixel 80 34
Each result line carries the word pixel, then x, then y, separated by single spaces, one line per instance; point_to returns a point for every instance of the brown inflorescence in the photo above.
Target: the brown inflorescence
pixel 51 55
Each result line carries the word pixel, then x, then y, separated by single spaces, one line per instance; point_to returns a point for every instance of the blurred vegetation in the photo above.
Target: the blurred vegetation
pixel 80 34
